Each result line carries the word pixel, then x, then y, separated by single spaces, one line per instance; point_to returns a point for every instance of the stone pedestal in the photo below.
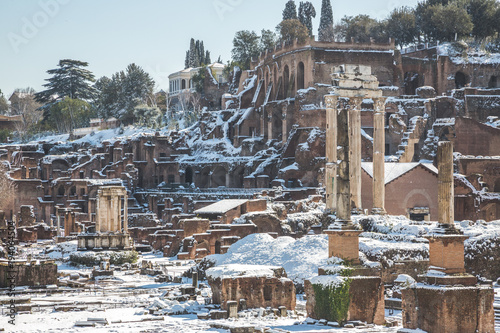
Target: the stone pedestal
pixel 446 253
pixel 344 244
pixel 449 309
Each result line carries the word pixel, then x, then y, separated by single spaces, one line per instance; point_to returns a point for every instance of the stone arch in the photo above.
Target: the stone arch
pixel 412 82
pixel 496 188
pixel 300 76
pixel 219 177
pixel 461 80
pixel 218 246
pixel 413 194
pixel 188 175
pixel 204 178
pixel 238 177
pixel 286 82
pixel 61 190
pixel 277 128
pixel 60 164
pixel 493 83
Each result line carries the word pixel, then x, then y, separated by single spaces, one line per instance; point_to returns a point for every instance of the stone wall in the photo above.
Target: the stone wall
pixel 448 309
pixel 32 274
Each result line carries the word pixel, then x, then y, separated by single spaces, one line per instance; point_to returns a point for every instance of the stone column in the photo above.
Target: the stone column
pixel 446 217
pixel 379 156
pixel 58 222
pixel 269 125
pixel 284 133
pixel 97 217
pixel 125 214
pixel 355 151
pixel 331 152
pixel 343 179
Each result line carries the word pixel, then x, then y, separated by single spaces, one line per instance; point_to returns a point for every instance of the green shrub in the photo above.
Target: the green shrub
pixel 332 301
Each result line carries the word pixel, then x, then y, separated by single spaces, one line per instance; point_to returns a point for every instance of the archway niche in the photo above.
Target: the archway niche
pixel 189 175
pixel 286 82
pixel 460 80
pixel 219 177
pixel 300 76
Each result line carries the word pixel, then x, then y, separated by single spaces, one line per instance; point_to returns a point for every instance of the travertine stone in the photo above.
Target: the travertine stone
pixel 355 151
pixel 446 215
pixel 342 180
pixel 378 156
pixel 331 151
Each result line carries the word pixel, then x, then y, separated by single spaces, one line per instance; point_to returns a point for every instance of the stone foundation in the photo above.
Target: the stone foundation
pixel 96 242
pixel 344 244
pixel 447 309
pixel 367 300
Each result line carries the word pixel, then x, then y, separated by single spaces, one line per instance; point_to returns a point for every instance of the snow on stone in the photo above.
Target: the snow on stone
pixel 299 257
pixel 233 270
pixel 328 280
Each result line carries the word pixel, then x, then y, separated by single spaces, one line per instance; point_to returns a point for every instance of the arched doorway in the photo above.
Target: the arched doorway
pixel 219 177
pixel 493 82
pixel 183 84
pixel 217 247
pixel 411 83
pixel 300 76
pixel 286 82
pixel 460 80
pixel 189 175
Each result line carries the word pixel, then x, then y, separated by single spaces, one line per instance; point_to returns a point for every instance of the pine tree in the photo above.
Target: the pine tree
pixel 290 11
pixel 208 61
pixel 197 54
pixel 306 14
pixel 69 80
pixel 325 31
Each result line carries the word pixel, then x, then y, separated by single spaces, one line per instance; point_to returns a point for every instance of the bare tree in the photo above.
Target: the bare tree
pixel 7 187
pixel 23 103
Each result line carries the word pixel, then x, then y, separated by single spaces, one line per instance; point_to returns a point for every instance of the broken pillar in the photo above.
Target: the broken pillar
pixel 379 156
pixel 69 222
pixel 447 299
pixel 195 279
pixel 26 216
pixel 232 309
pixel 331 151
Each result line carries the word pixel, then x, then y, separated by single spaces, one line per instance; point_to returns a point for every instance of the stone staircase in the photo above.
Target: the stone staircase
pixel 496 306
pixel 406 149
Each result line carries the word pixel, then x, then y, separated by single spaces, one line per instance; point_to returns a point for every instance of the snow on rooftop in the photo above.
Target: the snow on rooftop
pixel 396 170
pixel 233 270
pixel 221 207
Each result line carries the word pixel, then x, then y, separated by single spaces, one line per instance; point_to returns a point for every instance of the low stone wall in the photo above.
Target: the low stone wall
pixel 259 292
pixel 447 309
pixel 32 274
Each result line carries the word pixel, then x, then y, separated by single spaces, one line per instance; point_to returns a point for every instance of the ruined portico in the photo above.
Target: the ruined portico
pixel 111 226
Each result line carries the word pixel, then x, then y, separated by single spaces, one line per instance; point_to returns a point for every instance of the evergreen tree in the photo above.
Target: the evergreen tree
pixel 192 53
pixel 71 79
pixel 4 106
pixel 291 30
pixel 325 31
pixel 290 11
pixel 482 13
pixel 306 14
pixel 245 46
pixel 201 52
pixel 267 40
pixel 219 60
pixel 402 26
pixel 186 62
pixel 362 28
pixel 208 61
pixel 197 54
pixel 450 21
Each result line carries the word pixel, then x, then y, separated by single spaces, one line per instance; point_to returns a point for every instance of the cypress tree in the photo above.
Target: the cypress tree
pixel 290 11
pixel 208 61
pixel 325 31
pixel 306 14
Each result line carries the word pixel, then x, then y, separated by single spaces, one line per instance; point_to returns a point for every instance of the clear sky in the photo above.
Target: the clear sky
pixel 154 34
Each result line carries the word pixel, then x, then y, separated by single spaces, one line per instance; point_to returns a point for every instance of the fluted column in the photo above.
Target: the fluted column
pixel 331 152
pixel 378 156
pixel 355 151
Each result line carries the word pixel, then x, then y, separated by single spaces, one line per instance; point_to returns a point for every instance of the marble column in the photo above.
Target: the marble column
pixel 446 217
pixel 355 151
pixel 343 179
pixel 379 156
pixel 331 152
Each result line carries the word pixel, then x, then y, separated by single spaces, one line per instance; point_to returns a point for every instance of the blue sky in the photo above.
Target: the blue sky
pixel 154 34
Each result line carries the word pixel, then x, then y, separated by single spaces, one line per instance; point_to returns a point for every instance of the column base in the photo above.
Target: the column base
pixel 378 211
pixel 344 244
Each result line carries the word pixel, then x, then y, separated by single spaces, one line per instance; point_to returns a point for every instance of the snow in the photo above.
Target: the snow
pixel 299 257
pixel 221 207
pixel 396 170
pixel 328 280
pixel 238 270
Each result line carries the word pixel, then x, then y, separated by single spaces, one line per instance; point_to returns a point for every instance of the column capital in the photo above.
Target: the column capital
pixel 379 104
pixel 331 101
pixel 356 102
